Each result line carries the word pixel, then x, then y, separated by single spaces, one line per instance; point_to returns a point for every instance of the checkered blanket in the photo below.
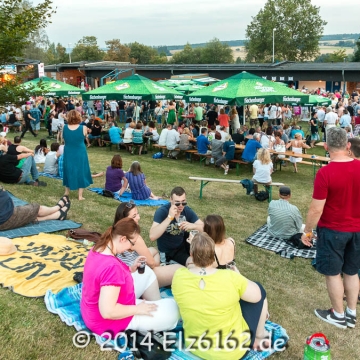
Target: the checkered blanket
pixel 263 239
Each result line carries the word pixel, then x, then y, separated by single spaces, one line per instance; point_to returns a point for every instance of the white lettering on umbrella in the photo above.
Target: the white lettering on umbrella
pixel 74 92
pixel 288 98
pixel 158 87
pixel 122 86
pixel 254 100
pixel 195 99
pixel 221 101
pixel 97 97
pixel 160 97
pixel 220 87
pixel 132 97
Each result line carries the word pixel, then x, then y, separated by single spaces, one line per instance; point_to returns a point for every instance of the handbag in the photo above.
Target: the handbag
pixel 81 234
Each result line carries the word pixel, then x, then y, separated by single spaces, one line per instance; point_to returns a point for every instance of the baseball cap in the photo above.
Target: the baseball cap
pixel 284 190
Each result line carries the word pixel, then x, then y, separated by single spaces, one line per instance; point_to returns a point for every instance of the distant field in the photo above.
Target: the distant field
pixel 239 51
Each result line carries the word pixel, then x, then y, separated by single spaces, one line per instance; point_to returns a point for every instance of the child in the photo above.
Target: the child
pixel 262 168
pixel 228 154
pixel 51 160
pixel 137 183
pixel 40 152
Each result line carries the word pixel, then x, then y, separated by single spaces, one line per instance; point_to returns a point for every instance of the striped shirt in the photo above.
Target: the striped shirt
pixel 285 219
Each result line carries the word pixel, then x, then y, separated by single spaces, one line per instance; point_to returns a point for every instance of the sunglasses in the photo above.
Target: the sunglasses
pixel 130 204
pixel 184 203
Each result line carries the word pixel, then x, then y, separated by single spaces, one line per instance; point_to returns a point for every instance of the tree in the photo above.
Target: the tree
pixel 336 56
pixel 356 56
pixel 299 28
pixel 56 54
pixel 116 51
pixel 141 54
pixel 37 46
pixel 215 52
pixel 87 49
pixel 19 20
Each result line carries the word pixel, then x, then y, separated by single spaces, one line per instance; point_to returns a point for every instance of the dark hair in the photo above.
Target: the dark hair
pixel 125 227
pixel 135 168
pixel 116 162
pixel 178 191
pixel 212 127
pixel 217 136
pixel 269 130
pixel 17 139
pixel 54 146
pixel 252 131
pixel 43 145
pixel 214 226
pixel 123 211
pixel 202 250
pixel 203 130
pixel 74 117
pixel 139 125
pixel 355 147
pixel 277 133
pixel 151 124
pixel 96 123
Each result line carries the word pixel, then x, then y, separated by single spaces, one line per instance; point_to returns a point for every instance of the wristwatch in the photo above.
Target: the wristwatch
pixel 308 234
pixel 170 217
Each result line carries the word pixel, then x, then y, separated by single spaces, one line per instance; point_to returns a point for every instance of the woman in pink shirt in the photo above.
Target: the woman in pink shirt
pixel 224 120
pixel 108 302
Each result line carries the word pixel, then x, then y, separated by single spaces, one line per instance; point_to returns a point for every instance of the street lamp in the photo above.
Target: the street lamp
pixel 69 51
pixel 274 29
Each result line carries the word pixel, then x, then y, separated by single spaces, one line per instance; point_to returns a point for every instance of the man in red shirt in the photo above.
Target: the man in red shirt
pixel 335 210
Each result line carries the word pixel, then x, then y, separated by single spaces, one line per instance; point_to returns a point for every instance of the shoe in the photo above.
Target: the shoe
pixel 252 193
pixel 39 183
pixel 329 317
pixel 226 172
pixel 64 201
pixel 350 320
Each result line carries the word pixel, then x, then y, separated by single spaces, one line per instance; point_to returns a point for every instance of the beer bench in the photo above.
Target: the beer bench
pixel 205 181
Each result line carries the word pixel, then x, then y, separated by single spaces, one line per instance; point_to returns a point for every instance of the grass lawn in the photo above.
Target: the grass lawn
pixel 293 287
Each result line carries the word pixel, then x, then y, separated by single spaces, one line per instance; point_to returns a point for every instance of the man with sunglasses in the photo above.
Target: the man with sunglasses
pixel 170 234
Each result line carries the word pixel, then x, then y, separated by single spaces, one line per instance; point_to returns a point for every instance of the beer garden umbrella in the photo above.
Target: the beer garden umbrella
pixel 188 88
pixel 246 89
pixel 317 100
pixel 51 87
pixel 133 88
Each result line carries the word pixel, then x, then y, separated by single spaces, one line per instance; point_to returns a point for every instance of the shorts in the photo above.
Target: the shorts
pixel 180 255
pixel 221 161
pixel 91 137
pixel 337 252
pixel 251 313
pixel 21 216
pixel 315 136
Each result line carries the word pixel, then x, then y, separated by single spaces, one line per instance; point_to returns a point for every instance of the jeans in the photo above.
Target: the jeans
pixel 29 168
pixel 122 116
pixel 27 127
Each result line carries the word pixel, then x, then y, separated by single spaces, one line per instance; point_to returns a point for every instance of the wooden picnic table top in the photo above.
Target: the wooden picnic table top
pixel 239 146
pixel 304 156
pixel 321 143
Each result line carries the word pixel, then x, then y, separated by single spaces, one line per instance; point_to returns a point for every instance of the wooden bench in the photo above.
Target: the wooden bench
pixel 238 163
pixel 205 181
pixel 109 144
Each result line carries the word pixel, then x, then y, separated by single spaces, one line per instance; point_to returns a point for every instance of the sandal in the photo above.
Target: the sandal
pixel 63 215
pixel 66 201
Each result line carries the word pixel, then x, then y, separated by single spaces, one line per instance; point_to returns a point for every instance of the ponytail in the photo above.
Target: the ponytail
pixel 104 239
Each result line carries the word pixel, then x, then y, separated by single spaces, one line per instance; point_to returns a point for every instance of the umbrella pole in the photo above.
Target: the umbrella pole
pixel 243 115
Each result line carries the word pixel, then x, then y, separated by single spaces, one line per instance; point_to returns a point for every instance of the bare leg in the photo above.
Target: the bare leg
pixel 155 254
pixel 52 213
pixel 67 191
pixel 351 285
pixel 140 149
pixel 152 293
pixel 152 196
pixel 81 194
pixel 166 273
pixel 260 338
pixel 335 288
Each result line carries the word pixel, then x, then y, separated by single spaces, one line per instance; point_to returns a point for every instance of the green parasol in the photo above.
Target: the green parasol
pixel 188 88
pixel 134 87
pixel 167 83
pixel 51 87
pixel 317 100
pixel 246 89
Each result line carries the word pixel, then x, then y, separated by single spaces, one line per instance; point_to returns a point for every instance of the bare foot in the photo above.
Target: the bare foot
pixel 262 344
pixel 81 198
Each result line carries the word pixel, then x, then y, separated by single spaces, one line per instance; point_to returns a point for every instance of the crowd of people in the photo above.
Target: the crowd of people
pixel 122 276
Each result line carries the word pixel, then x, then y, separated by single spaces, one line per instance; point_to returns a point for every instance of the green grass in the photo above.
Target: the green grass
pixel 294 289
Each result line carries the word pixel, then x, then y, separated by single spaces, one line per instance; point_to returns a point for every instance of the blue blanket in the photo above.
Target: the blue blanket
pixel 50 176
pixel 66 304
pixel 127 197
pixel 47 226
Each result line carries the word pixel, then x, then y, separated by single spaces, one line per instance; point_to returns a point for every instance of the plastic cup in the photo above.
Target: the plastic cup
pixel 141 268
pixel 232 266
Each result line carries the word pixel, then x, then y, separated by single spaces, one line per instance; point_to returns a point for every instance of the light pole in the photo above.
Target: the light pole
pixel 69 52
pixel 274 29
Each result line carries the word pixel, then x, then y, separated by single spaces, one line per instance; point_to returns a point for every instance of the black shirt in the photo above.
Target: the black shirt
pixel 6 207
pixel 12 118
pixel 314 128
pixel 212 117
pixel 152 105
pixel 9 173
pixel 26 116
pixel 96 130
pixel 350 109
pixel 121 105
pixel 129 111
pixel 238 138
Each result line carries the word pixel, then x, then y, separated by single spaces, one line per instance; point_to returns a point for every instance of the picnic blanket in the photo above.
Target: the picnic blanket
pixel 57 177
pixel 125 197
pixel 66 304
pixel 263 239
pixel 47 226
pixel 42 262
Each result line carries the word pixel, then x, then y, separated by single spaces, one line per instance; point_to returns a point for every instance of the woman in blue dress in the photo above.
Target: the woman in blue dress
pixel 137 183
pixel 77 175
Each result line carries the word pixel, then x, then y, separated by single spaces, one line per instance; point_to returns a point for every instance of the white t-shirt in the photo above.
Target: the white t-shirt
pixel 54 125
pixel 263 172
pixel 128 135
pixel 331 118
pixel 163 136
pixel 272 112
pixel 321 115
pixel 265 141
pixel 113 105
pixel 172 139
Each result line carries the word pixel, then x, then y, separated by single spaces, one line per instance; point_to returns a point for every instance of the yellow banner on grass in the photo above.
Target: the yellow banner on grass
pixel 42 262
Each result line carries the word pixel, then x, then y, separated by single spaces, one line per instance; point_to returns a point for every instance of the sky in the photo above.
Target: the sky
pixel 169 22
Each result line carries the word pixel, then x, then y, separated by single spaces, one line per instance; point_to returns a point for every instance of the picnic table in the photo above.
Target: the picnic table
pixel 314 160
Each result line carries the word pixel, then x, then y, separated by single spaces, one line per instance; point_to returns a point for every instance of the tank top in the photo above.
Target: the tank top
pixel 12 150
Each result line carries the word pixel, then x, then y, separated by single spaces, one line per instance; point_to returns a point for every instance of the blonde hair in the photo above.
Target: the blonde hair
pixel 263 155
pixel 187 131
pixel 132 125
pixel 202 250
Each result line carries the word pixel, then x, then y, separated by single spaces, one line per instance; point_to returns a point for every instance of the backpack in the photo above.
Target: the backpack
pixel 262 196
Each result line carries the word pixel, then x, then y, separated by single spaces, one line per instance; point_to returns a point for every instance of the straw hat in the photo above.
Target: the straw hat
pixel 6 246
